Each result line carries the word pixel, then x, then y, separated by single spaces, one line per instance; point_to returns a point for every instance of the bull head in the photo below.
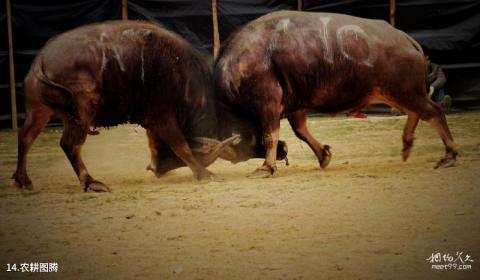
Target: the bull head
pixel 252 148
pixel 234 149
pixel 206 150
pixel 250 145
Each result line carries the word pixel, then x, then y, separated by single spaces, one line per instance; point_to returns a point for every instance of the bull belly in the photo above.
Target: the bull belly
pixel 108 116
pixel 338 103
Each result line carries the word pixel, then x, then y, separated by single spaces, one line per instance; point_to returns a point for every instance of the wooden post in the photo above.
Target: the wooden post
pixel 392 12
pixel 13 94
pixel 216 33
pixel 124 10
pixel 299 5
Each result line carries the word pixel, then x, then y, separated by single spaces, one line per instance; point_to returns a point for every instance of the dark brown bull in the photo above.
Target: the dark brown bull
pixel 284 62
pixel 107 74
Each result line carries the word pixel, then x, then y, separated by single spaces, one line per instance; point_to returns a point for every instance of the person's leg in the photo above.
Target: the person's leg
pixel 446 103
pixel 438 96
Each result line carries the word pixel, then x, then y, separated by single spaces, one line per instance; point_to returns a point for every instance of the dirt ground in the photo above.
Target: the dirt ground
pixel 367 216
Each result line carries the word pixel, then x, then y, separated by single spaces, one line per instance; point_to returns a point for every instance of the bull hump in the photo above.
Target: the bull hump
pixel 112 47
pixel 110 51
pixel 137 32
pixel 301 36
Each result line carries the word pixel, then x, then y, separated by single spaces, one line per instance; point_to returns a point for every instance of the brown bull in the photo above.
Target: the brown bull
pixel 107 74
pixel 285 62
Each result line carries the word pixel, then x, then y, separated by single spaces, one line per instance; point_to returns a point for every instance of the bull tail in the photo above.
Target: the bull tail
pixel 414 43
pixel 65 102
pixel 40 74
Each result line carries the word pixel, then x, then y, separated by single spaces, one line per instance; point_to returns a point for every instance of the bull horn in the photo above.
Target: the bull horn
pixel 206 144
pixel 229 154
pixel 213 152
pixel 206 141
pixel 237 140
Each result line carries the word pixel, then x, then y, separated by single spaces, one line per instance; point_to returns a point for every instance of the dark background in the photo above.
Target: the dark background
pixel 449 29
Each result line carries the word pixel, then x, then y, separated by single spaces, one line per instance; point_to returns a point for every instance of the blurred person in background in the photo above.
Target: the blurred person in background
pixel 437 81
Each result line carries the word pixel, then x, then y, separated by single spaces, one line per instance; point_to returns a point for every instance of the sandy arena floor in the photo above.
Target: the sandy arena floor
pixel 367 216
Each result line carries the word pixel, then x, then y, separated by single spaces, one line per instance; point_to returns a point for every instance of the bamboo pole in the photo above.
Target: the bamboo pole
pixel 299 5
pixel 216 33
pixel 392 12
pixel 124 9
pixel 13 94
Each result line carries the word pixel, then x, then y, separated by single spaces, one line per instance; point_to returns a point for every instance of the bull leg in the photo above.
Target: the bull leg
pixel 298 122
pixel 36 120
pixel 73 138
pixel 439 122
pixel 408 132
pixel 270 109
pixel 170 133
pixel 162 157
pixel 431 112
pixel 153 151
pixel 270 140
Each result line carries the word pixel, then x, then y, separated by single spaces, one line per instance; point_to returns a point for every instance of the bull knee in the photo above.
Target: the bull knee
pixel 69 147
pixel 430 111
pixel 23 138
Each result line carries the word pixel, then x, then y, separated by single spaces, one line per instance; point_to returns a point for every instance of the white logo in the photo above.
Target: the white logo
pixel 447 261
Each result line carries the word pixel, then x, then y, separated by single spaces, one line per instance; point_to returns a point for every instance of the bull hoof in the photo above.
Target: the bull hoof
pixel 326 156
pixel 447 161
pixel 25 186
pixel 206 176
pixel 150 167
pixel 156 171
pixel 22 181
pixel 95 186
pixel 212 178
pixel 263 172
pixel 405 154
pixel 407 148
